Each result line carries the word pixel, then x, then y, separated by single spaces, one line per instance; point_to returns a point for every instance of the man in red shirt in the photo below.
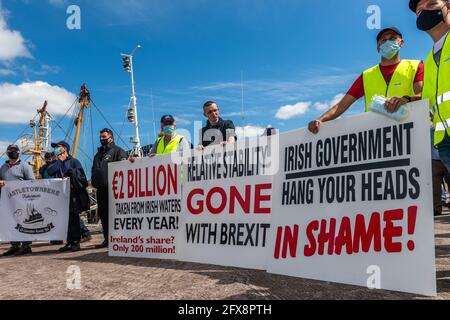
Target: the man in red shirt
pixel 392 75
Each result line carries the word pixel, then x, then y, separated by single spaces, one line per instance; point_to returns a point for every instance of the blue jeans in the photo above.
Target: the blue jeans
pixel 444 151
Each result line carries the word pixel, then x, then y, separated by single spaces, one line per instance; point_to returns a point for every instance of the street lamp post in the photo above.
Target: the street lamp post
pixel 132 112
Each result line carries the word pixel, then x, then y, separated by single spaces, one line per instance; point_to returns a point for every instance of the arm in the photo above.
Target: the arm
pixel 77 175
pixel 2 183
pixel 154 149
pixel 122 155
pixel 28 173
pixel 54 169
pixel 231 133
pixel 94 179
pixel 394 103
pixel 333 113
pixel 201 146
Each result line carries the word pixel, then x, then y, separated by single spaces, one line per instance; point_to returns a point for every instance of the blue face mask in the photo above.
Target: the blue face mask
pixel 169 130
pixel 57 151
pixel 389 49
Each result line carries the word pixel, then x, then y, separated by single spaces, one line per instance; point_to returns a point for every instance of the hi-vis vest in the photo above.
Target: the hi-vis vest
pixel 401 84
pixel 171 147
pixel 436 88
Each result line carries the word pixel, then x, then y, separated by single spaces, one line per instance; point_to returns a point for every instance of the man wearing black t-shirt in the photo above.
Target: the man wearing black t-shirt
pixel 217 130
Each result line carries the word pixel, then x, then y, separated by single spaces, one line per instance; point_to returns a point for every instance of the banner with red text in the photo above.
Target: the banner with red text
pixel 227 203
pixel 353 204
pixel 144 208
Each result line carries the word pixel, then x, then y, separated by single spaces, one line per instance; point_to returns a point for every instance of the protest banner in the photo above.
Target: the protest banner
pixel 34 210
pixel 227 203
pixel 144 208
pixel 353 204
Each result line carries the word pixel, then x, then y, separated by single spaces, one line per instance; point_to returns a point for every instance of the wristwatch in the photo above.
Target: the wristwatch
pixel 408 98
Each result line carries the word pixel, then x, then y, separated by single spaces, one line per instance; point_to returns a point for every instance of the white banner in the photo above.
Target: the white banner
pixel 353 204
pixel 34 210
pixel 144 208
pixel 227 204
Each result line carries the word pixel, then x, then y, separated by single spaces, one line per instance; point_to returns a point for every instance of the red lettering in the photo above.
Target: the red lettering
pixel 310 249
pixel 327 237
pixel 261 198
pixel 390 231
pixel 199 208
pixel 130 184
pixel 148 192
pixel 223 202
pixel 139 183
pixel 235 195
pixel 172 177
pixel 161 189
pixel 276 254
pixel 290 241
pixel 364 237
pixel 344 237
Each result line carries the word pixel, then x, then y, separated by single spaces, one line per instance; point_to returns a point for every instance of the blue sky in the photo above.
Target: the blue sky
pixel 294 53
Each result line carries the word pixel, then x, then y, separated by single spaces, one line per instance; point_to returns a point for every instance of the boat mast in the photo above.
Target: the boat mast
pixel 85 102
pixel 40 139
pixel 127 60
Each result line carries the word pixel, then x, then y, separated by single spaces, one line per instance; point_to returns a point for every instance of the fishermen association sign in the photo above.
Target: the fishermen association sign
pixel 34 210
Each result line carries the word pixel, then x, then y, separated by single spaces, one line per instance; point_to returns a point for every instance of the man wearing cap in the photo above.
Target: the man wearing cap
pixel 170 142
pixel 49 158
pixel 108 153
pixel 433 17
pixel 400 81
pixel 15 170
pixel 67 167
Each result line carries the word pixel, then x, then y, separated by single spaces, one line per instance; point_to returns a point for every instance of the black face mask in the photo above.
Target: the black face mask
pixel 13 155
pixel 428 19
pixel 104 143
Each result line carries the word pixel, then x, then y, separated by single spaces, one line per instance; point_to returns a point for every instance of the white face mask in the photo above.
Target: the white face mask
pixel 389 49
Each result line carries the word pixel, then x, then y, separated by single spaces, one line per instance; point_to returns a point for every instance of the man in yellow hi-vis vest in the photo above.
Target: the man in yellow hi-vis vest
pixel 433 17
pixel 169 142
pixel 398 80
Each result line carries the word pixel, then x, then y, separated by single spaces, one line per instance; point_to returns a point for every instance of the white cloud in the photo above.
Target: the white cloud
pixel 249 131
pixel 322 106
pixel 18 103
pixel 12 44
pixel 292 111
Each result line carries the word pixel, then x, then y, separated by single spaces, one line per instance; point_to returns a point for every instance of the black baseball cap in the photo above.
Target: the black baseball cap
pixel 13 146
pixel 61 143
pixel 107 130
pixel 413 5
pixel 167 118
pixel 380 34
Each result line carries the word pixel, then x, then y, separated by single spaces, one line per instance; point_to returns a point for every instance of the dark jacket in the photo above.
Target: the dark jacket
pixel 71 168
pixel 104 156
pixel 226 128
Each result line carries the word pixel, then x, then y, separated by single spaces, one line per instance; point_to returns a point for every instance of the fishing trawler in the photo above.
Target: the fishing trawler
pixel 34 217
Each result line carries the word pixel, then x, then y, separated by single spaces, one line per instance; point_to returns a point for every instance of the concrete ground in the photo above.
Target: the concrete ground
pixel 44 276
